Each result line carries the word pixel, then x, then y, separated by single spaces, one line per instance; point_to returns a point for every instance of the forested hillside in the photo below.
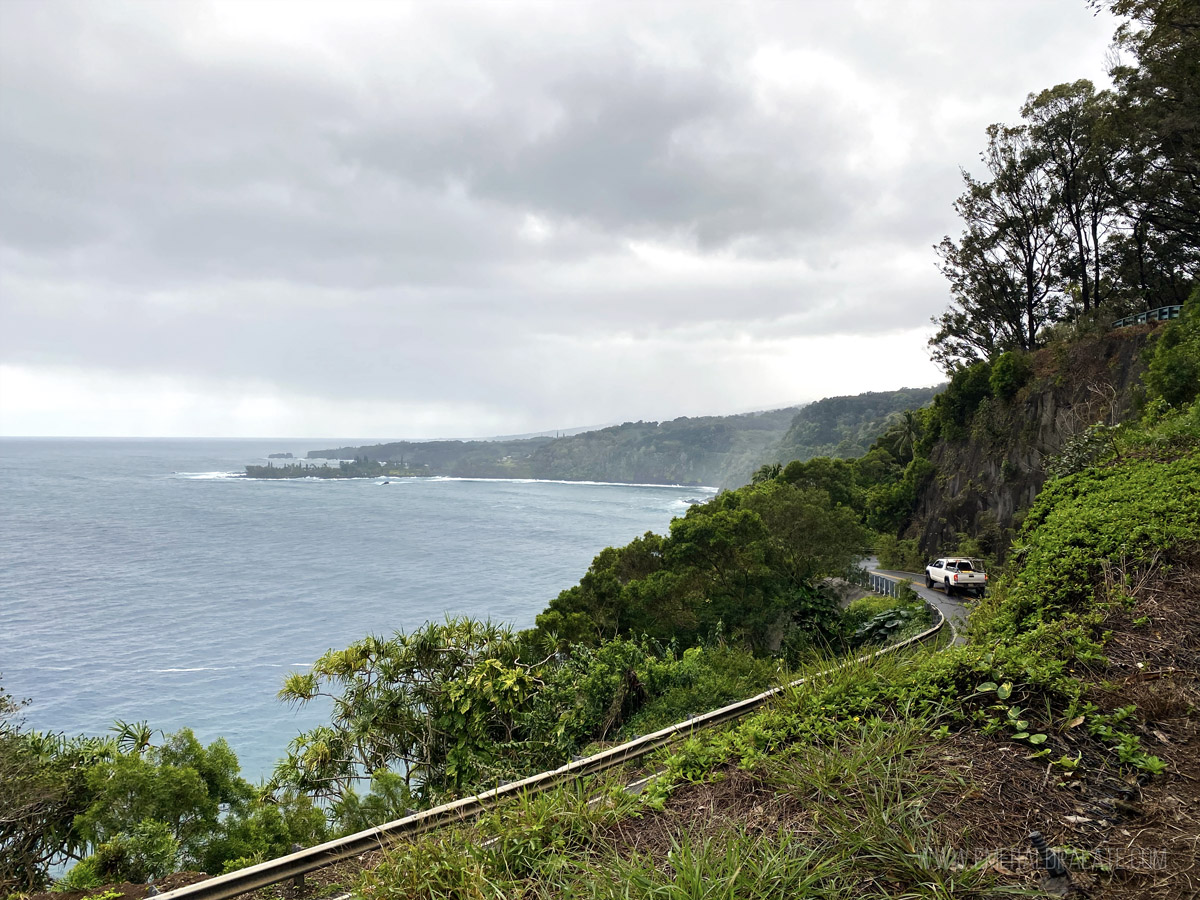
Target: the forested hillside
pixel 698 450
pixel 840 427
pixel 478 459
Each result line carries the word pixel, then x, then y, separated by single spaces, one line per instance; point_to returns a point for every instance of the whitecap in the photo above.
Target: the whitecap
pixel 680 487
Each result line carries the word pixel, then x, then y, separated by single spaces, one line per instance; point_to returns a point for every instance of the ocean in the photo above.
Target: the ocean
pixel 146 580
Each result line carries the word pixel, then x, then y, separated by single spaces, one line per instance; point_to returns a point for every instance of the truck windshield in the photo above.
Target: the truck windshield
pixel 964 566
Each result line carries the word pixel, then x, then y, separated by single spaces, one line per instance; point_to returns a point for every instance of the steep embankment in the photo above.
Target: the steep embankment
pixel 993 456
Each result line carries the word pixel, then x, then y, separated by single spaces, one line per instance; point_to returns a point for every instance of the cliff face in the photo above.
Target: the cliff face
pixel 983 483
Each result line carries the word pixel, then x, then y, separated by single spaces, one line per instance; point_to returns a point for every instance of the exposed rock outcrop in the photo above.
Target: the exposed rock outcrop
pixel 985 482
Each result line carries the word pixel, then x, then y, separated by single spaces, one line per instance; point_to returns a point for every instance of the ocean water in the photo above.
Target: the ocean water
pixel 142 579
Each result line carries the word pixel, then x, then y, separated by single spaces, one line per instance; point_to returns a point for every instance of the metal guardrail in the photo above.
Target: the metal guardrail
pixel 882 584
pixel 233 884
pixel 1162 314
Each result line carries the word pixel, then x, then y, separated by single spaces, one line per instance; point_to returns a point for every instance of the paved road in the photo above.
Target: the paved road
pixel 951 607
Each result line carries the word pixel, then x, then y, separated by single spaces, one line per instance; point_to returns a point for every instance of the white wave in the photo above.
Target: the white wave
pixel 209 476
pixel 680 487
pixel 195 669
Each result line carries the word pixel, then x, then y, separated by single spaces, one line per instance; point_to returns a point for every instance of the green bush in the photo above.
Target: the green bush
pixel 1011 371
pixel 83 876
pixel 147 851
pixel 704 678
pixel 1174 369
pixel 954 408
pixel 901 554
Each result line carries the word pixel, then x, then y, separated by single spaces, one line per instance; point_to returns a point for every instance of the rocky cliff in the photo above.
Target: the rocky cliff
pixel 986 478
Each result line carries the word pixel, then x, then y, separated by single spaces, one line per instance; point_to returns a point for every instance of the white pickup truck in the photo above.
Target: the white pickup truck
pixel 957 573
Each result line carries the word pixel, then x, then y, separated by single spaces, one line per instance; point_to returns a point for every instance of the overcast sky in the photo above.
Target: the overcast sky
pixel 435 219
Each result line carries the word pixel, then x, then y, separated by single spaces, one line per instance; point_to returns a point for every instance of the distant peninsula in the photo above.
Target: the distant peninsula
pixel 719 451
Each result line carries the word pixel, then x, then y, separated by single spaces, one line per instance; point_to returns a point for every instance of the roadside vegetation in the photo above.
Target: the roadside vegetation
pixel 1072 708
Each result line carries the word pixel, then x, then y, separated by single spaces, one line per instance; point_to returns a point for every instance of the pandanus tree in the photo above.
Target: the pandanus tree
pixel 439 707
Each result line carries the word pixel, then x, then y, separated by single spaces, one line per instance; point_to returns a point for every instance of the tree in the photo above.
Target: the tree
pixel 181 785
pixel 1070 128
pixel 601 606
pixel 1174 371
pixel 440 705
pixel 43 787
pixel 1160 101
pixel 1003 271
pixel 766 472
pixel 1156 119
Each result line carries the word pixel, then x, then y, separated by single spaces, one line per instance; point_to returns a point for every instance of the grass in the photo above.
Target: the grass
pixel 852 823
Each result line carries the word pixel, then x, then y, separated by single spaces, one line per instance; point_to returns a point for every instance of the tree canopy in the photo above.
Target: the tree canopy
pixel 1090 206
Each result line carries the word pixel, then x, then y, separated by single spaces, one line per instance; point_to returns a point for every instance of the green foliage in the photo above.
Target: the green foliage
pixel 846 427
pixel 436 868
pixel 901 555
pixel 591 694
pixel 83 876
pixel 705 450
pixel 441 704
pixel 266 828
pixel 1090 204
pixel 954 409
pixel 766 472
pixel 43 787
pixel 746 564
pixel 1011 371
pixel 880 620
pixel 703 678
pixel 1090 446
pixel 1174 369
pixel 1106 516
pixel 181 784
pixel 146 851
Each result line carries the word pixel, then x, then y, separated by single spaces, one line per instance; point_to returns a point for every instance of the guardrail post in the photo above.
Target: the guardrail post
pixel 298 881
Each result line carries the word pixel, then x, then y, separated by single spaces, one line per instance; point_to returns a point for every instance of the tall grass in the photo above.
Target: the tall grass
pixel 855 827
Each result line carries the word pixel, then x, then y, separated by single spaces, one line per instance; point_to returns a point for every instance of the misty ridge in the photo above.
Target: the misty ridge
pixel 719 451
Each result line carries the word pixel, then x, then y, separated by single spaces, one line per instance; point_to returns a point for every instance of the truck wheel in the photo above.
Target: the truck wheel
pixel 949 589
pixel 928 581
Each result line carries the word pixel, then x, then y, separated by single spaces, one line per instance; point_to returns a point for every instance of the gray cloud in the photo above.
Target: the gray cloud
pixel 447 203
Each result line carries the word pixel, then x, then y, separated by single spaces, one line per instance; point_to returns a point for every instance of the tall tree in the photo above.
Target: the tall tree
pixel 1070 130
pixel 1003 271
pixel 1160 101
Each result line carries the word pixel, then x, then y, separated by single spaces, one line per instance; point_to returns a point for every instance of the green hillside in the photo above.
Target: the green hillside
pixel 840 427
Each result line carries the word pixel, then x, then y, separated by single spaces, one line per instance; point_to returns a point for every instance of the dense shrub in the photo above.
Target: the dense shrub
pixel 1174 370
pixel 1011 371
